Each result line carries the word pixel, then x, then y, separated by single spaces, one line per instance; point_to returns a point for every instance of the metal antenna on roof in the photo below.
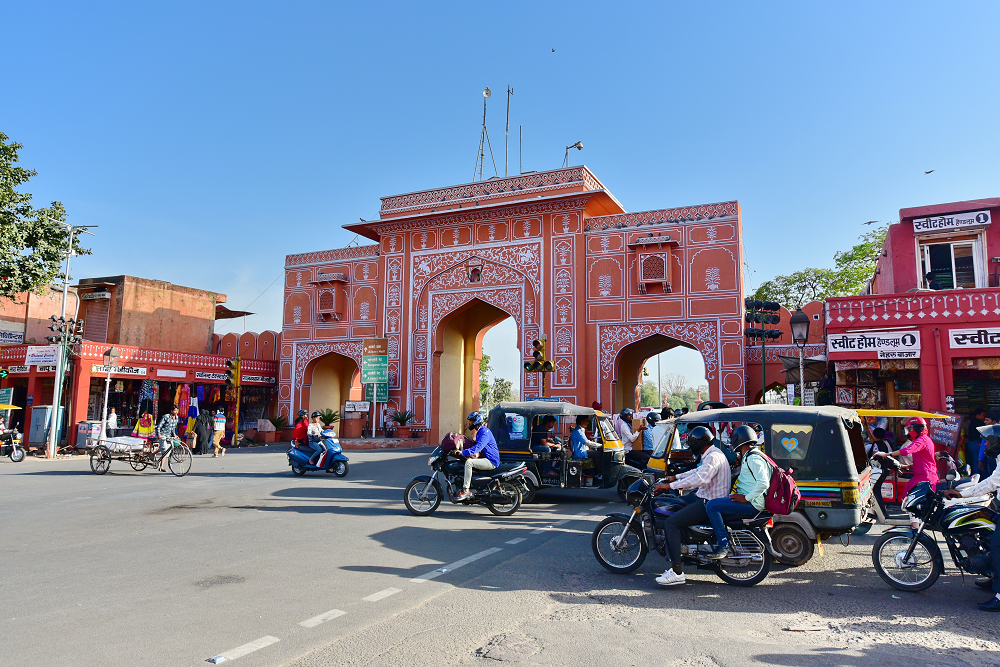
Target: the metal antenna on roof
pixel 506 132
pixel 484 141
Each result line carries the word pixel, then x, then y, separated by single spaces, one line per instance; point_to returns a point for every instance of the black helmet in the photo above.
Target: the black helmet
pixel 742 435
pixel 699 440
pixel 303 413
pixel 316 413
pixel 627 413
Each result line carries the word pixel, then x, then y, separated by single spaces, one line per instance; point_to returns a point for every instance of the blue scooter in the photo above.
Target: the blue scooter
pixel 332 460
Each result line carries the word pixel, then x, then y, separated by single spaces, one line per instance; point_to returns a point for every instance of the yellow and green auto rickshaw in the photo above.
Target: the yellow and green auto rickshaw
pixel 824 447
pixel 517 428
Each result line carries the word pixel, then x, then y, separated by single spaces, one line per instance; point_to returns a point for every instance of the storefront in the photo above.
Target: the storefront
pixel 876 369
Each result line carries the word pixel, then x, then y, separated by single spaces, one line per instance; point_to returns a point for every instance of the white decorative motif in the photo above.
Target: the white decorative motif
pixel 393 348
pixel 364 309
pixel 612 338
pixel 393 323
pixel 298 279
pixel 529 312
pixel 392 244
pixel 564 341
pixel 493 232
pixel 297 315
pixel 525 258
pixel 604 285
pixel 563 281
pixel 454 236
pixel 562 312
pixel 364 271
pixel 605 243
pixel 421 376
pixel 394 295
pixel 565 224
pixel 421 348
pixel 712 233
pixel 422 317
pixel 309 351
pixel 713 277
pixel 423 240
pixel 563 249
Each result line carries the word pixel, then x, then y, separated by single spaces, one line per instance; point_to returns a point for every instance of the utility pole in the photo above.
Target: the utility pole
pixel 61 359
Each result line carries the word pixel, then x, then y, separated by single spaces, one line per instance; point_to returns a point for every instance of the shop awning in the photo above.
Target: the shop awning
pixel 815 368
pixel 223 313
pixel 862 412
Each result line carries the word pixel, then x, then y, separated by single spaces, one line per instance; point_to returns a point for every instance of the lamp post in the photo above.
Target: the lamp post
pixel 799 322
pixel 111 357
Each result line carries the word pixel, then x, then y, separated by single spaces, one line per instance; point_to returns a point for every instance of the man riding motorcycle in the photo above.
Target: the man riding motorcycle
pixel 711 479
pixel 991 483
pixel 751 487
pixel 485 443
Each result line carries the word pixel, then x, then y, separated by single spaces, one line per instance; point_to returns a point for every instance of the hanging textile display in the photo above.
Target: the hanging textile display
pixel 216 394
pixel 192 414
pixel 201 393
pixel 120 386
pixel 144 427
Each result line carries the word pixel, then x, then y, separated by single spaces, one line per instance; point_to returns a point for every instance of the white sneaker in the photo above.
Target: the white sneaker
pixel 670 578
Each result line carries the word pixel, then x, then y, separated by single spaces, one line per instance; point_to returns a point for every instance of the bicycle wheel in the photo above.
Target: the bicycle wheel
pixel 180 460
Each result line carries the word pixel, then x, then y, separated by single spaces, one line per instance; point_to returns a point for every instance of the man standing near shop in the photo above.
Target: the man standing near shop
pixel 165 430
pixel 111 427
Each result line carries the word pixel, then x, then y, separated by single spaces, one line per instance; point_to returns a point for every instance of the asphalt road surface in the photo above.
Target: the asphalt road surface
pixel 240 559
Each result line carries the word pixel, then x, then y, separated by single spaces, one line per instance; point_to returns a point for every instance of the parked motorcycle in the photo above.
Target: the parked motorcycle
pixel 332 460
pixel 500 489
pixel 13 440
pixel 621 541
pixel 910 560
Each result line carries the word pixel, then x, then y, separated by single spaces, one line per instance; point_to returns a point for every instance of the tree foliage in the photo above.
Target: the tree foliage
pixel 495 390
pixel 648 394
pixel 32 245
pixel 852 270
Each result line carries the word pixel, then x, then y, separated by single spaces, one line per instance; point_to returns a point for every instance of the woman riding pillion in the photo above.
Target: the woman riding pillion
pixel 751 486
pixel 485 443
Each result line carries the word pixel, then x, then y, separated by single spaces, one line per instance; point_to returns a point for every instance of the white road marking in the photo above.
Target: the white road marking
pixel 516 540
pixel 381 595
pixel 322 618
pixel 596 508
pixel 559 523
pixel 241 651
pixel 454 566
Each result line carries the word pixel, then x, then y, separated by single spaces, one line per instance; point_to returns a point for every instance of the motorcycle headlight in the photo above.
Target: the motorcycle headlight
pixel 431 460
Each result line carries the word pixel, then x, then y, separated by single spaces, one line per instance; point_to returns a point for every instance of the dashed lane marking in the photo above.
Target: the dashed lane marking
pixel 322 618
pixel 516 540
pixel 381 595
pixel 597 508
pixel 241 651
pixel 559 523
pixel 454 566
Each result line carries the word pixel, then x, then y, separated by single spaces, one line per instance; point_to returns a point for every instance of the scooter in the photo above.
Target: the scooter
pixel 13 440
pixel 331 460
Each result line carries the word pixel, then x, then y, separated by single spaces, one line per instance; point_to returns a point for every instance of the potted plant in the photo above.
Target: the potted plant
pixel 402 417
pixel 282 426
pixel 329 417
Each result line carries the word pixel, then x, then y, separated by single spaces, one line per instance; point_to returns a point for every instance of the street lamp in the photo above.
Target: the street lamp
pixel 799 322
pixel 111 357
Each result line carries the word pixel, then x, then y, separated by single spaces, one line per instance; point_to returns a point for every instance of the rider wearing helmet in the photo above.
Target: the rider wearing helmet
pixel 921 448
pixel 711 479
pixel 991 483
pixel 485 443
pixel 623 425
pixel 748 500
pixel 301 430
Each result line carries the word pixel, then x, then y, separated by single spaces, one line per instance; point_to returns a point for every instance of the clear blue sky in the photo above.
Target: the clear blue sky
pixel 208 140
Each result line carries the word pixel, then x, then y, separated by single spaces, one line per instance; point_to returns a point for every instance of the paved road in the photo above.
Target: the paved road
pixel 144 568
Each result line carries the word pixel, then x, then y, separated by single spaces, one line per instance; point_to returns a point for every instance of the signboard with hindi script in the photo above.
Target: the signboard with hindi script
pixel 374 360
pixel 951 222
pixel 971 339
pixel 888 344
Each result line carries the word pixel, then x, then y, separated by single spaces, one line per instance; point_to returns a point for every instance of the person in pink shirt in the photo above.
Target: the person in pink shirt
pixel 922 451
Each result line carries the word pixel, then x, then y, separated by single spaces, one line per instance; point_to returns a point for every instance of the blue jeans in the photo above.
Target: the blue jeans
pixel 716 508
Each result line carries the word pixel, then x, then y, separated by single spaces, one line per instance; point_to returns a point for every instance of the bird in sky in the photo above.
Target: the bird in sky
pixel 553 50
pixel 870 222
pixel 930 172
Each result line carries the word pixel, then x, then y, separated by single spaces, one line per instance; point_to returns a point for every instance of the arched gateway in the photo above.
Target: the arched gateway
pixel 556 252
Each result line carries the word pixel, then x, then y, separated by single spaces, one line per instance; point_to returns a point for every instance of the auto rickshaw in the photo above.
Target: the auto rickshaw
pixel 823 446
pixel 513 424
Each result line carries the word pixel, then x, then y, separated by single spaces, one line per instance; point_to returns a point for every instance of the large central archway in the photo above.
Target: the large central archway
pixel 458 351
pixel 628 376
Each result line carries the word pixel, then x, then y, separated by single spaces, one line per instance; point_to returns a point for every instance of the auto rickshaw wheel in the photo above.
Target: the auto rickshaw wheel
pixel 792 544
pixel 529 494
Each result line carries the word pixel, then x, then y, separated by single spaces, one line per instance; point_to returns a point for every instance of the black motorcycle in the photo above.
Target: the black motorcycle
pixel 500 489
pixel 621 541
pixel 910 560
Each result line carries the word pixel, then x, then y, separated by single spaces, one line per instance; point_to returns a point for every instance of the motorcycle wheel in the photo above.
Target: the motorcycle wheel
pixel 513 503
pixel 529 495
pixel 100 460
pixel 340 468
pixel 425 506
pixel 298 470
pixel 792 543
pixel 17 455
pixel 628 556
pixel 747 575
pixel 920 574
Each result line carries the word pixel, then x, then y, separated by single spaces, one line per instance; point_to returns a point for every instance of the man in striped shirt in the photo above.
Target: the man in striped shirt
pixel 712 479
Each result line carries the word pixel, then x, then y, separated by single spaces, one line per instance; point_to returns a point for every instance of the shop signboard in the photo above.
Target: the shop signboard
pixel 170 373
pixel 377 392
pixel 971 339
pixel 258 379
pixel 951 222
pixel 219 377
pixel 41 355
pixel 117 370
pixel 11 337
pixel 888 344
pixel 6 396
pixel 374 360
pixel 809 397
pixel 357 406
pixel 19 369
pixel 944 431
pixel 790 393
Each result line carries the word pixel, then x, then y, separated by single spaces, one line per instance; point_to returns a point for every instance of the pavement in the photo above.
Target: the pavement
pixel 242 560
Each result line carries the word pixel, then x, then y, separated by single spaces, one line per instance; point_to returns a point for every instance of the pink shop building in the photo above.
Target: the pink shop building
pixel 928 334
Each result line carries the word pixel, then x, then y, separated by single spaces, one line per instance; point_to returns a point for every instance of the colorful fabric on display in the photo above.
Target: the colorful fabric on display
pixel 119 386
pixel 201 393
pixel 192 414
pixel 216 394
pixel 147 392
pixel 183 398
pixel 144 427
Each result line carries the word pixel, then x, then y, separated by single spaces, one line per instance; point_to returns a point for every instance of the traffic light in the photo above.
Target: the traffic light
pixel 233 372
pixel 540 364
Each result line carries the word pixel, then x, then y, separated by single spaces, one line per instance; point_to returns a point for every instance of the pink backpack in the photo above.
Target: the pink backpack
pixel 782 493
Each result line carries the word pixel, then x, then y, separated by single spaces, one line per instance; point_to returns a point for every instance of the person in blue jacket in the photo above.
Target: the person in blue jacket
pixel 485 443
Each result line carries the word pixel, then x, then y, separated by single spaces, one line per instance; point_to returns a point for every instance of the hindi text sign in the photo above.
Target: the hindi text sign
pixel 374 360
pixel 888 344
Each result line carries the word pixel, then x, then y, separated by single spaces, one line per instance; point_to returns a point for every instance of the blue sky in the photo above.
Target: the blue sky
pixel 209 139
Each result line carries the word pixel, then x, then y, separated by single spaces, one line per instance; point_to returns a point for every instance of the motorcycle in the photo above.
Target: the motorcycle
pixel 910 560
pixel 622 541
pixel 332 460
pixel 13 440
pixel 500 489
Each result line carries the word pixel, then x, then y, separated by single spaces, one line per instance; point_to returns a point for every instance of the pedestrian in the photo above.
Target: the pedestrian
pixel 977 418
pixel 987 464
pixel 203 427
pixel 111 425
pixel 220 430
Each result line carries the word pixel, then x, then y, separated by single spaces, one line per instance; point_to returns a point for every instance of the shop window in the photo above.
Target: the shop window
pixel 952 265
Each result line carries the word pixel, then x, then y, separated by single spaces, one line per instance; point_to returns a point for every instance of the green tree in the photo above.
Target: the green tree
pixel 648 394
pixel 31 244
pixel 495 390
pixel 851 272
